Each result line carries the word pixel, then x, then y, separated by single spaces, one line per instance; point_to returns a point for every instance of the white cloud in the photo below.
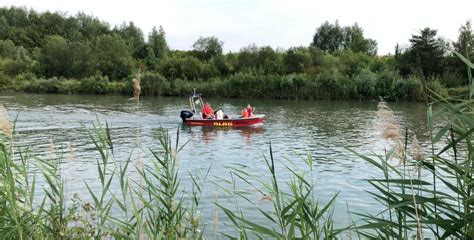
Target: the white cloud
pixel 271 22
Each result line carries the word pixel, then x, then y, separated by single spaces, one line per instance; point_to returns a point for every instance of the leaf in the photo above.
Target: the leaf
pixel 465 60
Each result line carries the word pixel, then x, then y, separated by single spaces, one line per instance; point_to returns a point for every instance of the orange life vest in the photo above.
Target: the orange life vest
pixel 245 113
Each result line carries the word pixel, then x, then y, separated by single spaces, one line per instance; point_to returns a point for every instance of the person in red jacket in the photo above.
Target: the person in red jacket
pixel 250 110
pixel 207 111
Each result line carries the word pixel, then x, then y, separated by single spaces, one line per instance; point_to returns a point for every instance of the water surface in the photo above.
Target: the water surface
pixel 49 124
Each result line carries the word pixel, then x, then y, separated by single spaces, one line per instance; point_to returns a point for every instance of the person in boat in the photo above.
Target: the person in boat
pixel 219 114
pixel 250 110
pixel 244 113
pixel 207 111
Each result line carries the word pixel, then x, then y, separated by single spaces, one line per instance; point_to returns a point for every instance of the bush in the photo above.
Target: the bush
pixel 328 84
pixel 434 85
pixel 42 85
pixel 5 82
pixel 151 84
pixel 459 92
pixel 452 79
pixel 409 89
pixel 365 83
pixel 95 84
pixel 68 86
pixel 385 84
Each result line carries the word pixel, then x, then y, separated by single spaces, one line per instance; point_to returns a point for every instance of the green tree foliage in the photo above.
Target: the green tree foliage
pixel 7 49
pixel 3 27
pixel 465 43
pixel 351 63
pixel 297 59
pixel 91 27
pixel 427 51
pixel 221 65
pixel 133 37
pixel 189 68
pixel 74 51
pixel 112 56
pixel 157 43
pixel 262 59
pixel 48 23
pixel 15 60
pixel 332 37
pixel 59 57
pixel 425 55
pixel 464 46
pixel 329 37
pixel 208 47
pixel 355 41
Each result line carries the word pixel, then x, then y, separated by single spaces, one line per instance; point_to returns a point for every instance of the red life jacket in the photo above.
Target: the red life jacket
pixel 207 111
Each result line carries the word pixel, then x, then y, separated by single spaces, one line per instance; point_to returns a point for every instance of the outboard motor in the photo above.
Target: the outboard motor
pixel 186 114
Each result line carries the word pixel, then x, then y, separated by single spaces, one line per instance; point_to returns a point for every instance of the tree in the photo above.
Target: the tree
pixel 7 49
pixel 269 60
pixel 157 43
pixel 59 57
pixel 208 47
pixel 465 43
pixel 247 58
pixel 297 59
pixel 464 46
pixel 329 37
pixel 3 27
pixel 51 24
pixel 113 57
pixel 188 67
pixel 355 41
pixel 55 57
pixel 91 27
pixel 426 52
pixel 133 36
pixel 16 60
pixel 221 65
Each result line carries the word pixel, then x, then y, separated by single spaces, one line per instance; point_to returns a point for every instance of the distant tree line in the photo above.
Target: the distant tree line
pixel 59 53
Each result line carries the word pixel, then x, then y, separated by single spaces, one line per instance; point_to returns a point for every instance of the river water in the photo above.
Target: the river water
pixel 325 130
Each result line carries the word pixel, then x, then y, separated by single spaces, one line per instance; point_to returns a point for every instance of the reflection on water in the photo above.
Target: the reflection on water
pixel 321 129
pixel 212 134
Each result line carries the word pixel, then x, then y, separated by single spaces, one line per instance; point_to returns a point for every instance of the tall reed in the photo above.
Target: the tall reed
pixel 295 212
pixel 150 208
pixel 440 207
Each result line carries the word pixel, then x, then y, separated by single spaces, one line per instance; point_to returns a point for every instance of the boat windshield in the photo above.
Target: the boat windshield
pixel 195 101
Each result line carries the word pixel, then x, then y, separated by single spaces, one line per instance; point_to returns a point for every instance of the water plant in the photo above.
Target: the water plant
pixel 437 204
pixel 294 212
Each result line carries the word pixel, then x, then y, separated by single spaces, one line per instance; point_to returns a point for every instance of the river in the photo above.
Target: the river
pixel 325 130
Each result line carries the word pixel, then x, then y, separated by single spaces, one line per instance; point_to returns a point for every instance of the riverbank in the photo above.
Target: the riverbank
pixel 330 86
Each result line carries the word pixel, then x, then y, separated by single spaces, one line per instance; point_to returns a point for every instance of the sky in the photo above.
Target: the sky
pixel 278 23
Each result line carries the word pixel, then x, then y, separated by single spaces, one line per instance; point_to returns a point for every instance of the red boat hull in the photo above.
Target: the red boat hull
pixel 232 122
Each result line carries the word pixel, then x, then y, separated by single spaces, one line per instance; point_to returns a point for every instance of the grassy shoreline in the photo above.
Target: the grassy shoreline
pixel 294 86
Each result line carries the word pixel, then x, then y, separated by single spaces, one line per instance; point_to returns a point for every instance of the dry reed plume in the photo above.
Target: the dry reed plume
pixel 390 127
pixel 416 149
pixel 137 89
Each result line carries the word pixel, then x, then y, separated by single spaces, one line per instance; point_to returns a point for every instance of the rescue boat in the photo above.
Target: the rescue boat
pixel 192 119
